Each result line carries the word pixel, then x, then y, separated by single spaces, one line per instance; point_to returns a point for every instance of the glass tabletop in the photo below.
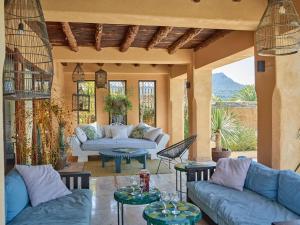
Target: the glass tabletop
pixel 189 214
pixel 126 195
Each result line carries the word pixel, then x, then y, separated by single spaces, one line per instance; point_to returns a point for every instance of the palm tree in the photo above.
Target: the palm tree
pixel 247 94
pixel 223 127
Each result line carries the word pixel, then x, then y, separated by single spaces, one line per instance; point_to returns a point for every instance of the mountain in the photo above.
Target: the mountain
pixel 224 87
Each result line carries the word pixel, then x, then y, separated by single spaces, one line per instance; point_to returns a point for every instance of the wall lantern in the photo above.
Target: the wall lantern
pixel 78 73
pixel 101 78
pixel 28 69
pixel 81 102
pixel 278 32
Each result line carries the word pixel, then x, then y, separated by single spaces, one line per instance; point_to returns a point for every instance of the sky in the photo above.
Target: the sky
pixel 242 71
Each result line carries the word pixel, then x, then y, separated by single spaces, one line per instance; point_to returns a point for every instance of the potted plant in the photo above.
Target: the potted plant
pixel 224 132
pixel 117 105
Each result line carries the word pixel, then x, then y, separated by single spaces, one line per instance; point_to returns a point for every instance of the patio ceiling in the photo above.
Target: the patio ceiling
pixel 126 36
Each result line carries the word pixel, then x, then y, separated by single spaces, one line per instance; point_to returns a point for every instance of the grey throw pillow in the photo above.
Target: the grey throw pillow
pixel 80 134
pixel 231 173
pixel 43 183
pixel 119 132
pixel 152 134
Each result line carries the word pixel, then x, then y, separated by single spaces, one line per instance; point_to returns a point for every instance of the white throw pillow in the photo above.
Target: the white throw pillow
pixel 231 172
pixel 80 134
pixel 152 134
pixel 43 183
pixel 107 131
pixel 119 132
pixel 100 131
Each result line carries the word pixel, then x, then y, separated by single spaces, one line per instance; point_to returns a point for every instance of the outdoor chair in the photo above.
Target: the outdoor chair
pixel 176 151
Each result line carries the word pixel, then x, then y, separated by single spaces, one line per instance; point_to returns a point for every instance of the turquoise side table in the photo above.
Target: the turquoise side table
pixel 123 196
pixel 189 214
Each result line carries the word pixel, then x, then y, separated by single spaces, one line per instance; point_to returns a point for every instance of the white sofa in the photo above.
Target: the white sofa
pixel 92 147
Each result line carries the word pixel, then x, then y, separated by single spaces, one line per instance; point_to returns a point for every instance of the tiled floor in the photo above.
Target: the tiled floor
pixel 104 210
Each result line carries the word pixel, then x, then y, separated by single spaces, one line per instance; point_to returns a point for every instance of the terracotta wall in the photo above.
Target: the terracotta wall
pixel 162 96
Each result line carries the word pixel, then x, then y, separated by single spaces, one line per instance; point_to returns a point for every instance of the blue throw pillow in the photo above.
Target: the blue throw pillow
pixel 16 195
pixel 262 180
pixel 289 190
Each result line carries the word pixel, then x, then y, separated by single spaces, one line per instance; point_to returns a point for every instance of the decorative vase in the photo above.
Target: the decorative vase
pixel 62 159
pixel 216 155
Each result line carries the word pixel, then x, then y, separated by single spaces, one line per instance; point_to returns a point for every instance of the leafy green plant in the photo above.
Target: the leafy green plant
pixel 117 104
pixel 247 140
pixel 223 127
pixel 247 94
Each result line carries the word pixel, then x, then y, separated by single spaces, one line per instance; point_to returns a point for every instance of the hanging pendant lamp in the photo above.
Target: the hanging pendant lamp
pixel 78 73
pixel 278 32
pixel 101 78
pixel 28 68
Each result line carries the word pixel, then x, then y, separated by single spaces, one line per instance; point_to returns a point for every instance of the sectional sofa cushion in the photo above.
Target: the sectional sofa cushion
pixel 43 183
pixel 16 195
pixel 288 190
pixel 262 180
pixel 152 134
pixel 108 143
pixel 72 209
pixel 234 207
pixel 80 135
pixel 119 132
pixel 231 172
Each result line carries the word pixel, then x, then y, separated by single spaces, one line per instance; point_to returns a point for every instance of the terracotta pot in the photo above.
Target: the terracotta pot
pixel 216 155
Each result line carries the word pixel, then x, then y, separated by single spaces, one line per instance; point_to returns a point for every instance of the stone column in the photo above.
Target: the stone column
pixel 264 84
pixel 176 116
pixel 199 99
pixel 286 113
pixel 278 97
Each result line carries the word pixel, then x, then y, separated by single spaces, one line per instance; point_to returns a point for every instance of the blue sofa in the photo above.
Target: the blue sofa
pixel 72 209
pixel 269 196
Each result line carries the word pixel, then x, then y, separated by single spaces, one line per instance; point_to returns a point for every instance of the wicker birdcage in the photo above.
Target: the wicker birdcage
pixel 28 69
pixel 278 32
pixel 78 73
pixel 101 78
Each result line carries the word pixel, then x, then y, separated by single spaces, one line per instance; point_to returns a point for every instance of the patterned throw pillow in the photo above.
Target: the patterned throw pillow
pixel 91 132
pixel 138 132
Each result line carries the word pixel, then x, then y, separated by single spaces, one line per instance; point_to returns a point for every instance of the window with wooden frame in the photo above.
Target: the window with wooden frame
pixel 147 102
pixel 87 88
pixel 117 87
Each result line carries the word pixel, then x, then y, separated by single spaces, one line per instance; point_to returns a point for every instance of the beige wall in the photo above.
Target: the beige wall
pixel 2 55
pixel 247 116
pixel 132 75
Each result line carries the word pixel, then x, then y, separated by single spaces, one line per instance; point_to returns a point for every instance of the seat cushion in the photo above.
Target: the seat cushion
pixel 72 209
pixel 109 143
pixel 262 180
pixel 238 208
pixel 288 190
pixel 16 195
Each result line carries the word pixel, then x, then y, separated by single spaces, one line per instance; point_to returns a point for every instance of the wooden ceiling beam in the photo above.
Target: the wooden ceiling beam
pixel 161 34
pixel 70 36
pixel 188 36
pixel 129 38
pixel 214 37
pixel 98 36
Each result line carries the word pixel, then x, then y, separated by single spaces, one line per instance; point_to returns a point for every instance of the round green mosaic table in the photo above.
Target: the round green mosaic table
pixel 124 196
pixel 189 214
